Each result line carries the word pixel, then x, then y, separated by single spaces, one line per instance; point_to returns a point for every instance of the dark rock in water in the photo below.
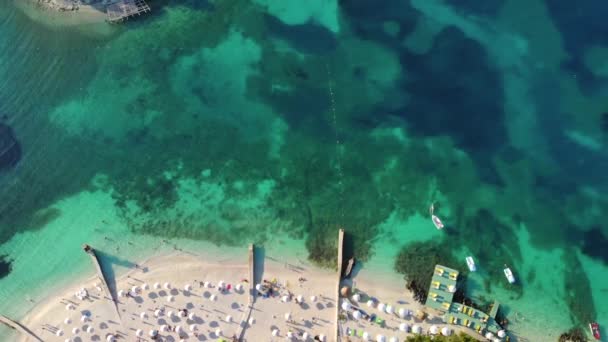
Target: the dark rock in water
pixel 577 290
pixel 485 8
pixel 309 38
pixel 604 122
pixel 10 150
pixel 5 266
pixel 594 244
pixel 455 91
pixel 573 335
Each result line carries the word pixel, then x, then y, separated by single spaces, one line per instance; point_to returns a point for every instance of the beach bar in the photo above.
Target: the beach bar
pixel 124 9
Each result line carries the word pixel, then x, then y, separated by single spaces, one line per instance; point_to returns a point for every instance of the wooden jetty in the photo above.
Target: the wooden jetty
pixel 102 278
pixel 252 294
pixel 338 281
pixel 19 327
pixel 124 9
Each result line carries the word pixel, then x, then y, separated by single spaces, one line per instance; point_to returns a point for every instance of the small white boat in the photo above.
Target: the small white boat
pixel 471 264
pixel 509 275
pixel 437 222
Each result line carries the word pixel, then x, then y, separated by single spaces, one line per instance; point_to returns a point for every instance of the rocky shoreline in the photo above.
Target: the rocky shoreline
pixel 60 5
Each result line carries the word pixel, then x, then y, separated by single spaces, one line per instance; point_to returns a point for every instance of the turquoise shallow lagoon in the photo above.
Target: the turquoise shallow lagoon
pixel 230 122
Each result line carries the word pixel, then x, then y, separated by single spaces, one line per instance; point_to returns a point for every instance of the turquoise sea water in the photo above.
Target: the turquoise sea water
pixel 278 122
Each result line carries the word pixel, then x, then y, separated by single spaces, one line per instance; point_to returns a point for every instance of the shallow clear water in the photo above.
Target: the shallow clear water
pixel 294 120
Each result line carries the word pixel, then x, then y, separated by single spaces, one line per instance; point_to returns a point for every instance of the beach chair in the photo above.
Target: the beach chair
pixel 380 321
pixel 360 333
pixel 446 306
pixel 439 270
pixel 466 322
pixel 433 294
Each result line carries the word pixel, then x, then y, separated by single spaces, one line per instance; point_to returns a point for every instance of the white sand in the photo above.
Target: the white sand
pixel 183 268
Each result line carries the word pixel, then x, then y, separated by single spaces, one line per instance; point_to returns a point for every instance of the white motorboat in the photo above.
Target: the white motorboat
pixel 437 222
pixel 509 275
pixel 471 264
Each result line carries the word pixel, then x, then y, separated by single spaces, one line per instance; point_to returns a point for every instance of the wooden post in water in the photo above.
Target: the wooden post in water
pixel 338 280
pixel 19 327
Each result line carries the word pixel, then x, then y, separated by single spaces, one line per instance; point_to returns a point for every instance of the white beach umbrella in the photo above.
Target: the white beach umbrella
pixel 139 333
pixel 275 332
pixel 403 327
pixel 178 329
pixel 191 316
pixel 207 284
pixel 346 306
pixel 121 293
pixel 489 335
pixel 110 338
pixel 305 336
pixel 221 285
pixel 182 313
pixel 239 287
pixel 90 329
pixel 370 303
pixel 287 316
pixel 188 287
pixel 251 321
pixel 156 286
pixel 365 336
pixel 452 288
pixel 145 286
pixel 67 340
pixel 356 297
pixel 67 321
pixel 289 334
pixel 357 314
pixel 170 298
pixel 393 339
pixel 416 329
pixel 70 307
pixel 143 315
pixel 285 299
pixel 445 331
pixel 59 332
pixel 313 298
pixel 300 298
pixel 193 327
pixel 75 331
pixel 153 332
pixel 158 313
pixel 403 312
pixel 167 286
pixel 84 318
pixel 434 330
pixel 213 298
pixel 228 319
pixel 381 307
pixel 164 328
pixel 218 332
pixel 258 287
pixel 170 314
pixel 501 333
pixel 380 338
pixel 135 289
pixel 322 338
pixel 389 309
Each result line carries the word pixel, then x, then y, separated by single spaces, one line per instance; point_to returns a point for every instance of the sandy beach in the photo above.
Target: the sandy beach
pixel 184 296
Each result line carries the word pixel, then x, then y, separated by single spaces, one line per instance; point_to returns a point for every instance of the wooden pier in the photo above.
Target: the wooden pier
pixel 338 281
pixel 252 294
pixel 124 9
pixel 19 327
pixel 91 252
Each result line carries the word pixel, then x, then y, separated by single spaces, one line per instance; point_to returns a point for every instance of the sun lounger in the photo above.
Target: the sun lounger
pixel 446 306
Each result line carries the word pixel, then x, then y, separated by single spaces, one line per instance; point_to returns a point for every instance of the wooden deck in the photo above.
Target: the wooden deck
pixel 338 281
pixel 19 327
pixel 124 9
